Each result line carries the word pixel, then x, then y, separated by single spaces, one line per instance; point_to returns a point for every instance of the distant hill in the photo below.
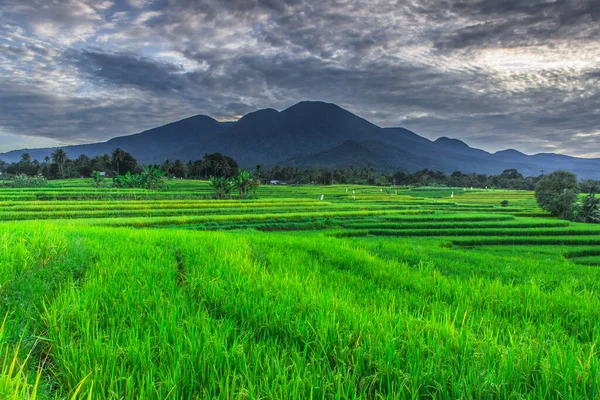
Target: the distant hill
pixel 317 133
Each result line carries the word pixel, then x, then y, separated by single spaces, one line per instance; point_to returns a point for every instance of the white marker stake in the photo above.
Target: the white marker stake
pixel 322 196
pixel 452 195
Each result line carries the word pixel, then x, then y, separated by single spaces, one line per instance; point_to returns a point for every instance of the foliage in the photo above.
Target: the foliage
pixel 557 192
pixel 589 186
pixel 154 178
pixel 244 182
pixel 24 181
pixel 589 209
pixel 221 186
pixel 122 162
pixel 151 178
pixel 217 164
pixel 504 203
pixel 342 308
pixel 98 180
pixel 59 158
pixel 13 376
pixel 83 164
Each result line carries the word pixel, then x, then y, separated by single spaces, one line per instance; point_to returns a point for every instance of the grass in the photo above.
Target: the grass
pixel 413 296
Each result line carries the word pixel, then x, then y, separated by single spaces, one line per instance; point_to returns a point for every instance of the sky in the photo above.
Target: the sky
pixel 498 74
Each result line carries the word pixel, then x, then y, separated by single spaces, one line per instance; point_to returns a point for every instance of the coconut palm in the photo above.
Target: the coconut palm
pixel 118 156
pixel 59 157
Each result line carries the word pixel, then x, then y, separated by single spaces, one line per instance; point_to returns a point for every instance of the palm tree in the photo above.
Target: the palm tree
pixel 26 158
pixel 258 172
pixel 118 155
pixel 59 157
pixel 207 164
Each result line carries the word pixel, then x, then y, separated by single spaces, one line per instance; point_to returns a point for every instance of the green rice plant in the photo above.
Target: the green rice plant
pixel 540 241
pixel 544 233
pixel 13 377
pixel 290 297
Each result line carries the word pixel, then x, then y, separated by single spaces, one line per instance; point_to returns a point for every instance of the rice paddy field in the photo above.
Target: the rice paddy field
pixel 424 293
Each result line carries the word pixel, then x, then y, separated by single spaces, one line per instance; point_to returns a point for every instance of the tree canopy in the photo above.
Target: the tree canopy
pixel 557 193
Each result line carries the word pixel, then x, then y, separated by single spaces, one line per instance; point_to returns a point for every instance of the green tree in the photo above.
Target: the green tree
pixel 118 155
pixel 557 193
pixel 83 164
pixel 178 169
pixel 26 158
pixel 243 181
pixel 589 186
pixel 59 157
pixel 101 163
pixel 258 170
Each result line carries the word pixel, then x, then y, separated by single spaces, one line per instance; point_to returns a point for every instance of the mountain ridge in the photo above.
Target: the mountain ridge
pixel 314 132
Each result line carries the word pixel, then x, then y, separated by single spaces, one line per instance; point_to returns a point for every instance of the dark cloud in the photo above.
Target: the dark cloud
pixel 512 23
pixel 127 69
pixel 496 73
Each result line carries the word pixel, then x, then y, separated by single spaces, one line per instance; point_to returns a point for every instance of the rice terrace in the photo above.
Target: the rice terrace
pixel 405 293
pixel 299 200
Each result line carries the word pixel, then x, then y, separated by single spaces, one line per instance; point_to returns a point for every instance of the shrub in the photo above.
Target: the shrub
pixel 221 186
pixel 98 179
pixel 244 183
pixel 24 181
pixel 589 209
pixel 504 203
pixel 151 178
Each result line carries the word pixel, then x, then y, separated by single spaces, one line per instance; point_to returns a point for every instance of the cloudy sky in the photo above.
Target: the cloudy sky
pixel 498 74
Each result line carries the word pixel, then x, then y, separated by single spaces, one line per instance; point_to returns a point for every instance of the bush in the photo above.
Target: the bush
pixel 24 181
pixel 504 203
pixel 589 209
pixel 244 183
pixel 151 178
pixel 98 179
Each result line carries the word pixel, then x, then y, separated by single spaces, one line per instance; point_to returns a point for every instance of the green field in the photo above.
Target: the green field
pixel 127 294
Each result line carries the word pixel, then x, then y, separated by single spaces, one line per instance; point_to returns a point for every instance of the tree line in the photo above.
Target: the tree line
pixel 119 163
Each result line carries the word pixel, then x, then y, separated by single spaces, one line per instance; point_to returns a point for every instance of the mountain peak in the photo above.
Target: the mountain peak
pixel 509 152
pixel 446 141
pixel 314 105
pixel 265 115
